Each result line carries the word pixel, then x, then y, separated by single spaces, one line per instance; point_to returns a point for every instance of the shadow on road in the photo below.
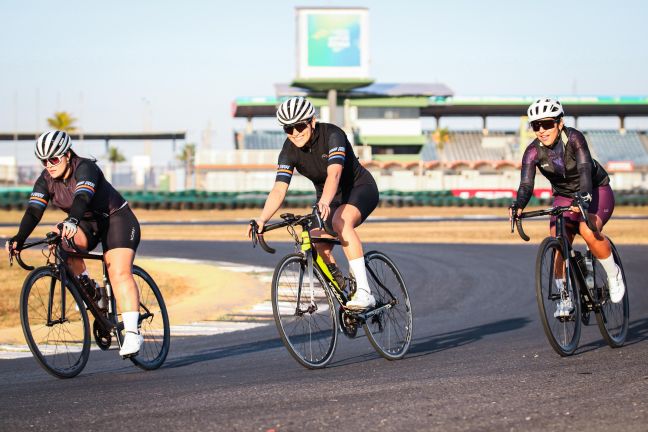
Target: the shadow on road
pixel 637 332
pixel 235 350
pixel 223 352
pixel 444 341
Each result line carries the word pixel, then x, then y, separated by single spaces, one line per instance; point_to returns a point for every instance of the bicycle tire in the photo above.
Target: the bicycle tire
pixel 612 318
pixel 153 323
pixel 61 348
pixel 389 331
pixel 309 336
pixel 563 334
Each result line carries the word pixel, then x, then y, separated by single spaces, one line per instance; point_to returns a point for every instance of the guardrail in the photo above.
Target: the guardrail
pixel 16 199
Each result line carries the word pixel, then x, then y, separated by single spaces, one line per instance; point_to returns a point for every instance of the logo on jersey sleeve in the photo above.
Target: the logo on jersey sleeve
pixel 284 171
pixel 337 154
pixel 38 199
pixel 85 187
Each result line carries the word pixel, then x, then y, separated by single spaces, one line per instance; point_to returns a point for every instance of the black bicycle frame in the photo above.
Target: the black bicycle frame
pixel 66 277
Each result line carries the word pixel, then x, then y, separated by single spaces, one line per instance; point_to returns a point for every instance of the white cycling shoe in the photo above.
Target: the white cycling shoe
pixel 616 286
pixel 131 345
pixel 564 308
pixel 361 300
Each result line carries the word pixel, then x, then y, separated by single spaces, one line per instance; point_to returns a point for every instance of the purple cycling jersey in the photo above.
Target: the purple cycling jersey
pixel 567 164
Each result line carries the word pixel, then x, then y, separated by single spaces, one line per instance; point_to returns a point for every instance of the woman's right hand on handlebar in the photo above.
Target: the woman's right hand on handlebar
pixel 15 245
pixel 260 224
pixel 514 208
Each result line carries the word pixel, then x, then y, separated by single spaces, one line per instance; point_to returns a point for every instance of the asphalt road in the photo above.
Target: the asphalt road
pixel 479 360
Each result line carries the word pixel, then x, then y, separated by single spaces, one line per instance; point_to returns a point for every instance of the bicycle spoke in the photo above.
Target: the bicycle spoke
pixel 563 332
pixel 62 348
pixel 307 329
pixel 389 331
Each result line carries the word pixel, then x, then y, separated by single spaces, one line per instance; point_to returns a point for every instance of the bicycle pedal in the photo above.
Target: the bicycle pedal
pixel 128 356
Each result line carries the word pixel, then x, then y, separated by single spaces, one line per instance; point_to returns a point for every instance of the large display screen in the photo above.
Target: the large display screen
pixel 332 43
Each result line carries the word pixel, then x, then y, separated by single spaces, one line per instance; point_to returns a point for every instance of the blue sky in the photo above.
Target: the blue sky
pixel 178 65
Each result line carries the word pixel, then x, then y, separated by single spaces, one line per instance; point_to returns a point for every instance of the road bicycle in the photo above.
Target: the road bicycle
pixel 305 295
pixel 585 284
pixel 54 313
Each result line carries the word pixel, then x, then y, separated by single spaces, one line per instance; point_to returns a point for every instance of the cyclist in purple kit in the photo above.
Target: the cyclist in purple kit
pixel 561 154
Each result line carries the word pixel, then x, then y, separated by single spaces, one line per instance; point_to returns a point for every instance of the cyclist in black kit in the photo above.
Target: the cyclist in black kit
pixel 96 213
pixel 561 154
pixel 346 192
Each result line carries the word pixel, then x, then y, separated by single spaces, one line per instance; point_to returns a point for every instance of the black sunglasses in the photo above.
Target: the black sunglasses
pixel 52 161
pixel 299 126
pixel 546 124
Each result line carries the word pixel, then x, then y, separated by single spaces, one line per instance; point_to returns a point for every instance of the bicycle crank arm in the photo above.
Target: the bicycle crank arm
pixel 366 315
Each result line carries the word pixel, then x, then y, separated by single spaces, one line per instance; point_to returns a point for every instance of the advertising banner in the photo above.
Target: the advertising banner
pixel 332 43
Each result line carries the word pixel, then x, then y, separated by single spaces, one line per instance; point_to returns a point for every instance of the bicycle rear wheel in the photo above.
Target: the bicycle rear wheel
pixel 390 330
pixel 612 318
pixel 306 320
pixel 153 323
pixel 563 333
pixel 60 339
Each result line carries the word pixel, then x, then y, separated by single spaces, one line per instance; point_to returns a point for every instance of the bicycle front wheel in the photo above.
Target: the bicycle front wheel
pixel 153 323
pixel 55 324
pixel 304 312
pixel 390 330
pixel 612 318
pixel 563 332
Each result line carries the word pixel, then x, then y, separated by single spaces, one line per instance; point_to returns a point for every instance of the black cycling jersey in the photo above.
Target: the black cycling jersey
pixel 85 194
pixel 567 164
pixel 328 146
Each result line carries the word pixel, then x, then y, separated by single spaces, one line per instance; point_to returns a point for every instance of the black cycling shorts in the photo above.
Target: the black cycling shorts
pixel 364 197
pixel 120 230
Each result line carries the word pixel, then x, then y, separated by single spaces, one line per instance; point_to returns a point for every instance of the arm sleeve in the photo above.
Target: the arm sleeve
pixel 35 208
pixel 87 176
pixel 336 149
pixel 583 162
pixel 285 167
pixel 527 177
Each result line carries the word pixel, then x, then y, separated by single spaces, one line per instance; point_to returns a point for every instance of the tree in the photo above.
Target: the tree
pixel 441 136
pixel 188 157
pixel 114 157
pixel 63 121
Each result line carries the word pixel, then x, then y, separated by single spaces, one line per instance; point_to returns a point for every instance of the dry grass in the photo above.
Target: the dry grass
pixel 173 285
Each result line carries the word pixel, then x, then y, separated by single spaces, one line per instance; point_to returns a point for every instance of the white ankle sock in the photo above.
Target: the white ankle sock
pixel 360 273
pixel 85 273
pixel 560 283
pixel 609 265
pixel 130 321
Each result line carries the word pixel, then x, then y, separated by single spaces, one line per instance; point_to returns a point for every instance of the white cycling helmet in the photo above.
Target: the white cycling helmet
pixel 52 143
pixel 295 110
pixel 543 108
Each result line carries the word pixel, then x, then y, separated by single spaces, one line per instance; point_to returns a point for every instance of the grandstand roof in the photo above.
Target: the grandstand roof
pixel 515 106
pixel 30 136
pixel 444 105
pixel 386 94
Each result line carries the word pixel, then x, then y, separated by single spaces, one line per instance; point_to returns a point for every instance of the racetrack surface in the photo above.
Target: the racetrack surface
pixel 479 360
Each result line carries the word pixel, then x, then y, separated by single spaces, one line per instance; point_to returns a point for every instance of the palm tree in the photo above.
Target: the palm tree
pixel 63 121
pixel 441 136
pixel 188 156
pixel 114 157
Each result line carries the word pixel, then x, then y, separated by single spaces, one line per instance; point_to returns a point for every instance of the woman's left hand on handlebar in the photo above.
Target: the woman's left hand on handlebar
pixel 69 229
pixel 324 210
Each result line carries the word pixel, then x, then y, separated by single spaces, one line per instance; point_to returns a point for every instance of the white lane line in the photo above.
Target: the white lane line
pixel 262 310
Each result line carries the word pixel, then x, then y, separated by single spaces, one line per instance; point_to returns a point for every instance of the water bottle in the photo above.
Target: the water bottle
pixel 589 275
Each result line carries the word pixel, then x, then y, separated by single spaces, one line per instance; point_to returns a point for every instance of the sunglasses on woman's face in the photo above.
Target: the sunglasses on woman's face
pixel 53 161
pixel 545 124
pixel 299 126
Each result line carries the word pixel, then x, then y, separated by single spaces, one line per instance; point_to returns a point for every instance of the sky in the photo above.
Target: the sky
pixel 156 65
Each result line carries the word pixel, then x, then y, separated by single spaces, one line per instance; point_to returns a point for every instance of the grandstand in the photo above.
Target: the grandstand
pixel 609 146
